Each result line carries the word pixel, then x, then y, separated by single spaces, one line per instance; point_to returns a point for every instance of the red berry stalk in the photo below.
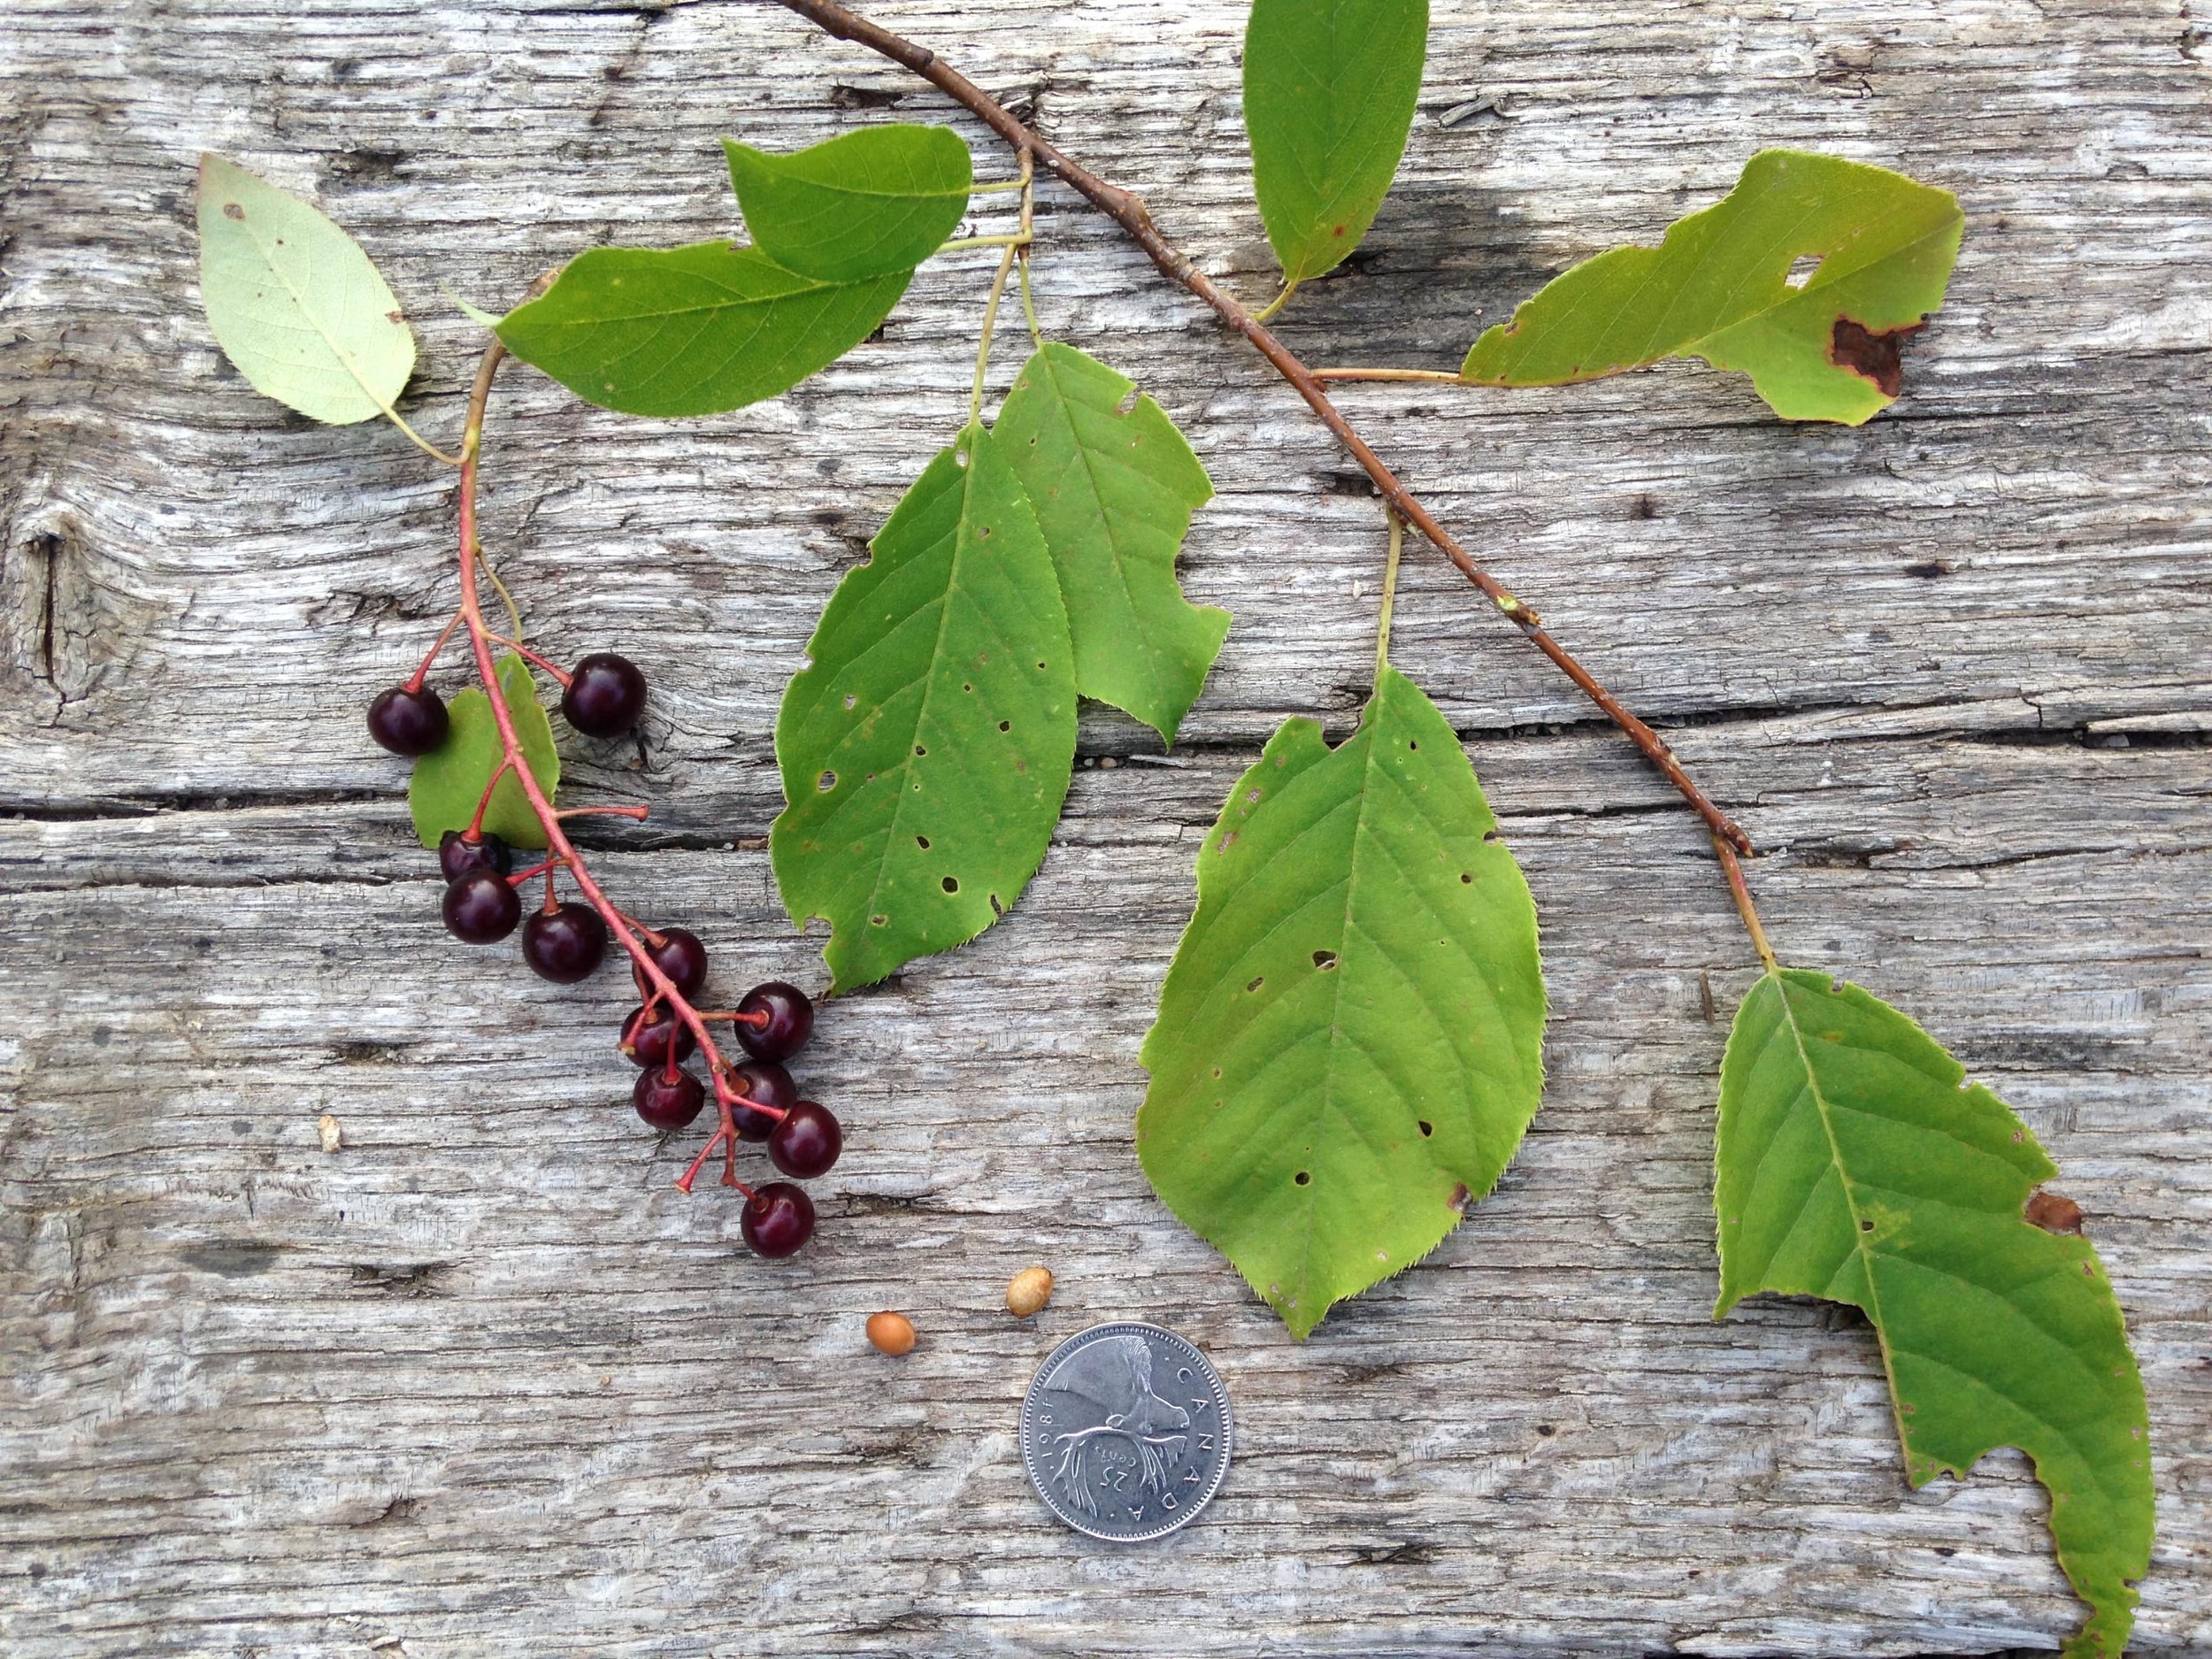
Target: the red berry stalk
pixel 602 695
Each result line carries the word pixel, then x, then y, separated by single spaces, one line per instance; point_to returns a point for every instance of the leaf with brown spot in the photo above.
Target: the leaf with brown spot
pixel 294 302
pixel 927 746
pixel 1330 88
pixel 1722 286
pixel 1855 1162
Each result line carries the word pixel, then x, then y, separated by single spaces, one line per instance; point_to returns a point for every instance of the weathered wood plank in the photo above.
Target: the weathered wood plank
pixel 481 1382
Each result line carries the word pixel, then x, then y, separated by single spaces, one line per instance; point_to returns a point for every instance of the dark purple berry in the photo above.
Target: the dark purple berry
pixel 481 909
pixel 777 1220
pixel 457 854
pixel 564 944
pixel 790 1019
pixel 766 1081
pixel 665 1101
pixel 807 1141
pixel 605 696
pixel 408 722
pixel 682 957
pixel 647 1038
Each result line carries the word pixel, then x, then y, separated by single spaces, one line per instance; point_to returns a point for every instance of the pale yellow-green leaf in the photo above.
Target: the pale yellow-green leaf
pixel 294 302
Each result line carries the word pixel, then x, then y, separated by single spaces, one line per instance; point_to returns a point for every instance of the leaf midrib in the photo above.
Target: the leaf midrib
pixel 738 301
pixel 344 357
pixel 782 170
pixel 1860 1233
pixel 1153 650
pixel 929 674
pixel 1790 296
pixel 882 195
pixel 1372 734
pixel 1862 1244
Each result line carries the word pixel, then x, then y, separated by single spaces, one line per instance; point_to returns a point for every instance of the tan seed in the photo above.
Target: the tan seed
pixel 892 1332
pixel 327 1131
pixel 1028 1291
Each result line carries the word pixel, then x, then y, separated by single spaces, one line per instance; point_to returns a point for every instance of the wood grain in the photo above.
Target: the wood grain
pixel 482 1383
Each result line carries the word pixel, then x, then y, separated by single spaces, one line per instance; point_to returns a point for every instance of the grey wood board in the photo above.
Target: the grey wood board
pixel 483 1383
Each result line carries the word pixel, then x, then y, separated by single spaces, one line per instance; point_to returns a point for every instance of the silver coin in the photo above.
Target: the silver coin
pixel 1125 1431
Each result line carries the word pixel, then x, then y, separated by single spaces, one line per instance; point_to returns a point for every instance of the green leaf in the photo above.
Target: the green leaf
pixel 1717 288
pixel 1855 1162
pixel 450 780
pixel 1114 494
pixel 691 331
pixel 295 303
pixel 927 749
pixel 1329 91
pixel 1349 1043
pixel 865 204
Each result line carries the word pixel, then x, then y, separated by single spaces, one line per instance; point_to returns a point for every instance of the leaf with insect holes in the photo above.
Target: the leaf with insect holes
pixel 1329 93
pixel 1114 493
pixel 295 303
pixel 450 780
pixel 927 748
pixel 862 204
pixel 1719 286
pixel 1350 1040
pixel 1855 1162
pixel 691 331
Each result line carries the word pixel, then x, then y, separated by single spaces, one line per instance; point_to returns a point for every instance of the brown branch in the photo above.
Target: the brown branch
pixel 1128 211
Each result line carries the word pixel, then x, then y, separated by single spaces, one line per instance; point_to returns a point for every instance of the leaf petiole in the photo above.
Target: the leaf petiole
pixel 983 347
pixel 1733 868
pixel 514 612
pixel 1029 304
pixel 1275 304
pixel 1012 239
pixel 1389 593
pixel 1450 377
pixel 1014 245
pixel 417 439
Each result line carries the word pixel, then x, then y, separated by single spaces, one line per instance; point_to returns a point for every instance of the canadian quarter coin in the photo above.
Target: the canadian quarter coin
pixel 1125 1431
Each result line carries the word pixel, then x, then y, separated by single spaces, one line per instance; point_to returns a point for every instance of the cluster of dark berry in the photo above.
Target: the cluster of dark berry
pixel 772 1023
pixel 567 942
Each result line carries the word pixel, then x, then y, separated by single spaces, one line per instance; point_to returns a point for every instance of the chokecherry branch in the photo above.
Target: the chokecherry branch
pixel 1128 209
pixel 659 987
